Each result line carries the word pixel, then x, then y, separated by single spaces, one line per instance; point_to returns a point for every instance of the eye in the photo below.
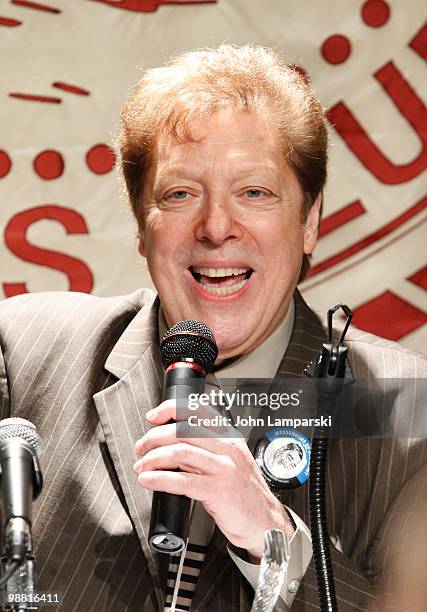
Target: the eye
pixel 254 193
pixel 179 194
pixel 257 193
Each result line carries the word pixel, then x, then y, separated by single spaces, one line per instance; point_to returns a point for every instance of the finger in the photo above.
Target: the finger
pixel 181 456
pixel 180 410
pixel 177 483
pixel 163 413
pixel 171 433
pixel 157 436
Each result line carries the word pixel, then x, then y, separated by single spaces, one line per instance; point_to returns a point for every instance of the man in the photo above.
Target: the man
pixel 224 157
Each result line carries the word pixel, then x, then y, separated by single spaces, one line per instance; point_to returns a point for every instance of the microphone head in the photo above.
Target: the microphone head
pixel 24 430
pixel 189 340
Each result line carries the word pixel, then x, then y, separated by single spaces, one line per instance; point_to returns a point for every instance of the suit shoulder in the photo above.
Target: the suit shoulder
pixel 385 358
pixel 371 355
pixel 67 313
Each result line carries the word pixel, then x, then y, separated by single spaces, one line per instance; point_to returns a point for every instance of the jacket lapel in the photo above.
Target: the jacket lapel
pixel 305 341
pixel 135 361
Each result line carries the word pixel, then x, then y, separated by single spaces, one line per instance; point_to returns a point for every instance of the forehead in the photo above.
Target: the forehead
pixel 231 136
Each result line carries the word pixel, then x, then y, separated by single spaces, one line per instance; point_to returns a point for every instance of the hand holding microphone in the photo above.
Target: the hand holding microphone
pixel 219 471
pixel 188 352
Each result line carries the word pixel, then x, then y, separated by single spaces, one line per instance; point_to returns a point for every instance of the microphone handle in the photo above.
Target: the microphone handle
pixel 17 467
pixel 170 514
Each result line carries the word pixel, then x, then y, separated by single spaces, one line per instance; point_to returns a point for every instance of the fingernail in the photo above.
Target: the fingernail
pixel 150 414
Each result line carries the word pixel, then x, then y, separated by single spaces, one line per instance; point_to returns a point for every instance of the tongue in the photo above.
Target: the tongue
pixel 221 281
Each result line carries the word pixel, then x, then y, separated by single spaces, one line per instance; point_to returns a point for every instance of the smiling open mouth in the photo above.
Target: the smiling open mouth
pixel 221 281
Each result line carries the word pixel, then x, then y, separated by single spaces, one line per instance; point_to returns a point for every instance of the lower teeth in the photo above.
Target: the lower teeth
pixel 225 290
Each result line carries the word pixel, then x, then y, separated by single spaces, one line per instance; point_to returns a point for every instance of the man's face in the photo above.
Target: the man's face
pixel 223 235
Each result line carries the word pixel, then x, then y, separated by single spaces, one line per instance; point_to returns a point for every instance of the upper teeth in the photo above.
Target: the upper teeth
pixel 220 271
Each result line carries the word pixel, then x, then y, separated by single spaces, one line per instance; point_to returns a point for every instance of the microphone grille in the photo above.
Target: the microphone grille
pixel 25 430
pixel 189 339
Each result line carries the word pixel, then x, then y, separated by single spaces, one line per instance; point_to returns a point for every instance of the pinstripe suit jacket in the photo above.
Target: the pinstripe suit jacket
pixel 85 370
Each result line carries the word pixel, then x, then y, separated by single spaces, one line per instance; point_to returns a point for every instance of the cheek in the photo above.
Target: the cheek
pixel 167 252
pixel 158 236
pixel 284 240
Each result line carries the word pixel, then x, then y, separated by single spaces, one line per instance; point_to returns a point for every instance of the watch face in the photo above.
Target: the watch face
pixel 284 457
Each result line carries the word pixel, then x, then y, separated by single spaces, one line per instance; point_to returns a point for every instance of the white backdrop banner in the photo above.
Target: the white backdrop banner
pixel 67 66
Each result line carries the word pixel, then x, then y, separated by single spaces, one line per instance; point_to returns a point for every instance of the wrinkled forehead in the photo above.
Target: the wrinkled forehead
pixel 231 135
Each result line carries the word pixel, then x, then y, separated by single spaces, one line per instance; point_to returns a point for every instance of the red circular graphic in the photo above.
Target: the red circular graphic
pixel 49 165
pixel 336 49
pixel 375 13
pixel 100 159
pixel 5 164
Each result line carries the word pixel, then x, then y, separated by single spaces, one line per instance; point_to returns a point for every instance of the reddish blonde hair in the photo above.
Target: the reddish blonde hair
pixel 196 84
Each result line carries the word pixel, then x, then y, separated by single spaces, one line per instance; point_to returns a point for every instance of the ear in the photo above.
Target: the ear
pixel 311 226
pixel 141 243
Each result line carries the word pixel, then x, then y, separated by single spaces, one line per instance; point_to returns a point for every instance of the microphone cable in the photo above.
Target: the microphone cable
pixel 332 368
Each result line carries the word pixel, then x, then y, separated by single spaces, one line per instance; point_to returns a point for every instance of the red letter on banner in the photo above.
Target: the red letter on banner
pixel 356 138
pixel 148 6
pixel 79 275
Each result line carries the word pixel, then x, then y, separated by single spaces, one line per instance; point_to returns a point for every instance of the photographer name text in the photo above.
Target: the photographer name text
pixel 250 421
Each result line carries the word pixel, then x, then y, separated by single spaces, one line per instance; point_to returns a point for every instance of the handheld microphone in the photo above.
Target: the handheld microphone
pixel 188 351
pixel 21 482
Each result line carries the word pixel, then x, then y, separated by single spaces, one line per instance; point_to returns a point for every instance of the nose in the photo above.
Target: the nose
pixel 217 223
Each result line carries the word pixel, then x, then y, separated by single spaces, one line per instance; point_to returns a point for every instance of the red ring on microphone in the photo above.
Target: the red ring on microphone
pixel 186 364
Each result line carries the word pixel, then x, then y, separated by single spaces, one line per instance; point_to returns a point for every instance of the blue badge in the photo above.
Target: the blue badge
pixel 283 456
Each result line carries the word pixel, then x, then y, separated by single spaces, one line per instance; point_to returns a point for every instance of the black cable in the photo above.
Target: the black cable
pixel 319 526
pixel 333 371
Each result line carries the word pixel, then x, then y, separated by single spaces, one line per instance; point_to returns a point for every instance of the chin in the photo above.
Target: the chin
pixel 229 343
pixel 228 332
